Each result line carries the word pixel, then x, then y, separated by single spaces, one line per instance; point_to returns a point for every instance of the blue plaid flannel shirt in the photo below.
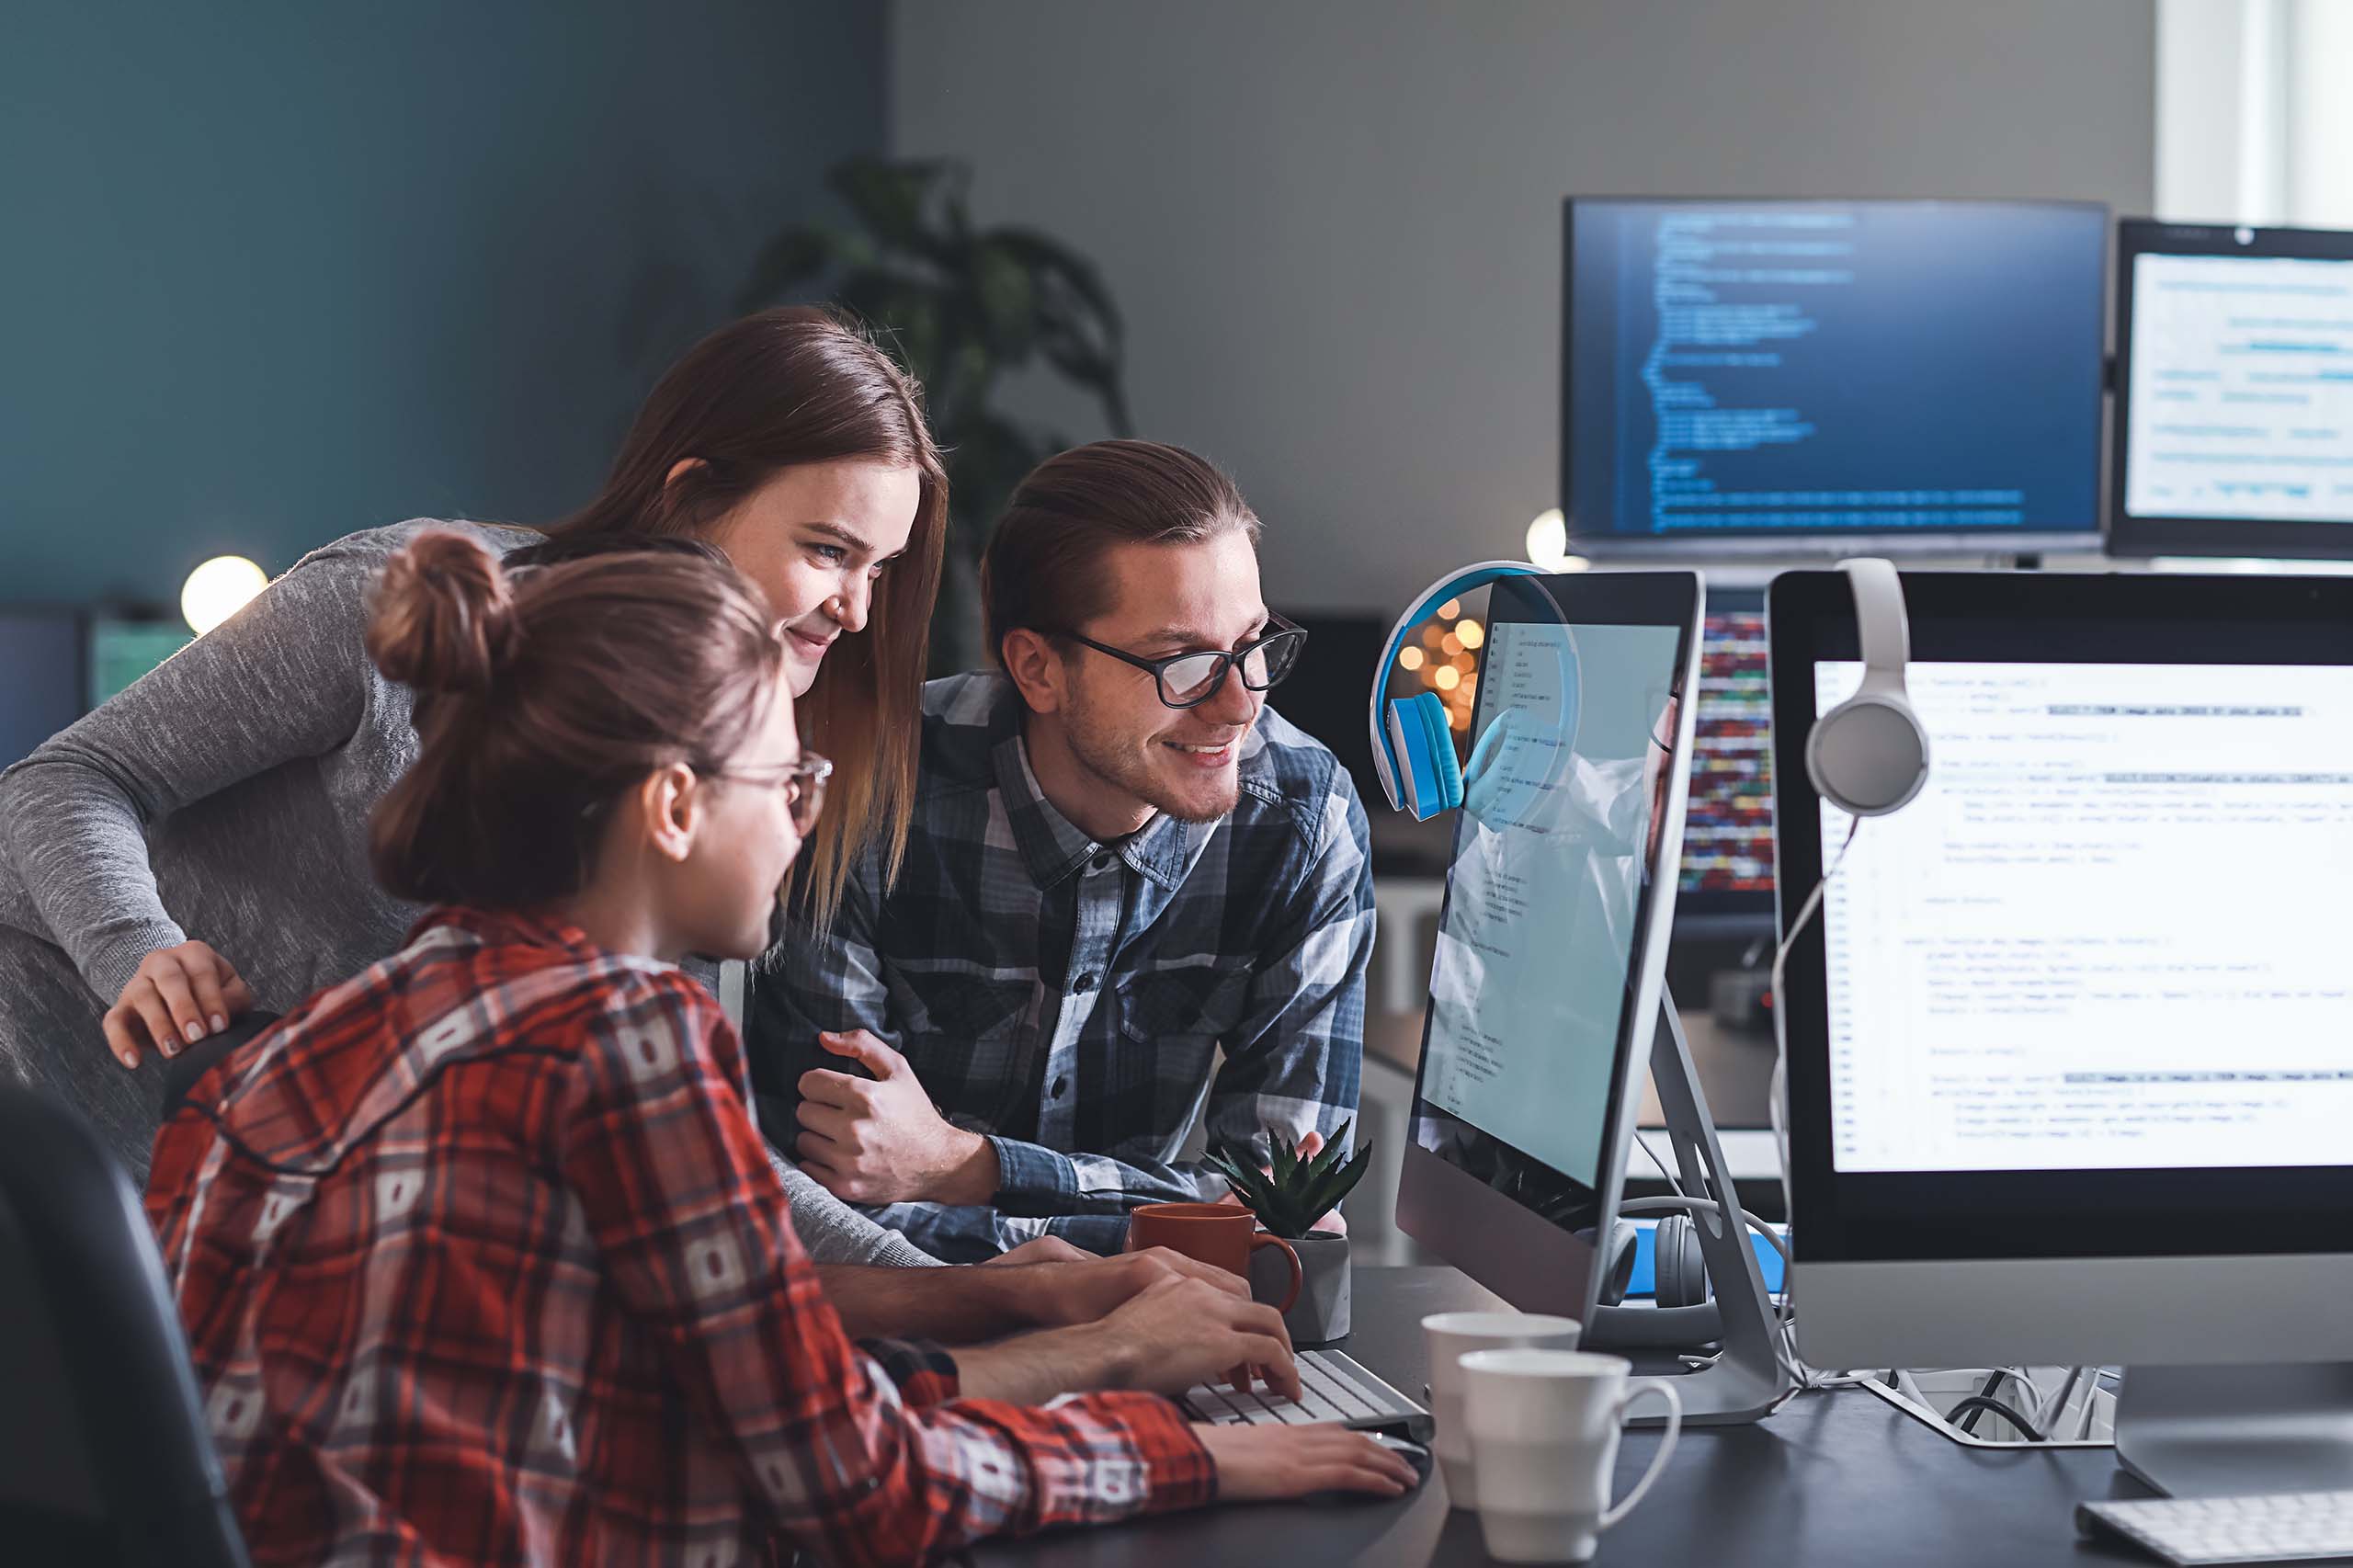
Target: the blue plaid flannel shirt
pixel 1068 999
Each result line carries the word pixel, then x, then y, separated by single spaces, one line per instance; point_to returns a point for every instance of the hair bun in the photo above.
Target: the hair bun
pixel 443 615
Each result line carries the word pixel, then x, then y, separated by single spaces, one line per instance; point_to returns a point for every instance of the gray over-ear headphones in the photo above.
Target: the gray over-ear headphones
pixel 1869 755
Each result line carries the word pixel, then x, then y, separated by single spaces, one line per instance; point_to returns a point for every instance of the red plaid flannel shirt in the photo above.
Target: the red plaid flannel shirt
pixel 481 1261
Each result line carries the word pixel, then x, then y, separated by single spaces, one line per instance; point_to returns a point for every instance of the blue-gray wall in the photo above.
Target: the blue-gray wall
pixel 271 272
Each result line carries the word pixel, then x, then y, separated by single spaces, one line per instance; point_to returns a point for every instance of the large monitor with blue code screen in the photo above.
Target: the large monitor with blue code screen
pixel 1796 377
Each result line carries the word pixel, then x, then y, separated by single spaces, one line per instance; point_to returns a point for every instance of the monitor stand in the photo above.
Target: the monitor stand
pixel 1742 1382
pixel 2225 1431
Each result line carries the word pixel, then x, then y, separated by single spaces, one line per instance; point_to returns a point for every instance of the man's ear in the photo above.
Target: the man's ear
pixel 670 801
pixel 1036 668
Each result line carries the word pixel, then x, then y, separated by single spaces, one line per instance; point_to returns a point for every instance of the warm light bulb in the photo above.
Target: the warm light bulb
pixel 1449 678
pixel 219 589
pixel 1548 539
pixel 1410 658
pixel 1449 644
pixel 1450 610
pixel 1470 633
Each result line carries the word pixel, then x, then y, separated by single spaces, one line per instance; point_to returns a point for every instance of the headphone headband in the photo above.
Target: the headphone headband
pixel 1883 627
pixel 1386 763
pixel 1869 756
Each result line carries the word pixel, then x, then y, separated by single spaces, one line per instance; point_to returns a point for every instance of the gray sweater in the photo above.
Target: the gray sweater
pixel 225 797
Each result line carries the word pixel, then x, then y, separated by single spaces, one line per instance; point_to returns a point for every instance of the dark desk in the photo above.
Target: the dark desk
pixel 1833 1479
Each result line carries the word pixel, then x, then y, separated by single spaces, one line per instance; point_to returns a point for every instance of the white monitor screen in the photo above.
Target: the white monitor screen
pixel 2109 932
pixel 1562 797
pixel 2242 389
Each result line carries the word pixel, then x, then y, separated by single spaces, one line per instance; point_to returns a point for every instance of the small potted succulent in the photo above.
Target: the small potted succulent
pixel 1289 1197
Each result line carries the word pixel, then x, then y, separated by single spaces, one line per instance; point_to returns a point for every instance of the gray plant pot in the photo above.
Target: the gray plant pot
pixel 1321 1313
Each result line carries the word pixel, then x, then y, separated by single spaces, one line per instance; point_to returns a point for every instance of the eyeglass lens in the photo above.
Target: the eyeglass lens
pixel 1194 678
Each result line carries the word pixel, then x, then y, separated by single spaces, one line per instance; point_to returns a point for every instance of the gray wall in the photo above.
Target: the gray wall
pixel 1335 224
pixel 276 271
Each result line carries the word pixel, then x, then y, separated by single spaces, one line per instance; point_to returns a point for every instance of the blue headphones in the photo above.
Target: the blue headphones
pixel 1414 752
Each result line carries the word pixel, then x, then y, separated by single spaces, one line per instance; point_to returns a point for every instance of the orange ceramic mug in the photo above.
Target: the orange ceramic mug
pixel 1216 1233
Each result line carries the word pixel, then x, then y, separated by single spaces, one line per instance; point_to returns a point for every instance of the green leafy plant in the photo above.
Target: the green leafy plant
pixel 965 307
pixel 1295 1193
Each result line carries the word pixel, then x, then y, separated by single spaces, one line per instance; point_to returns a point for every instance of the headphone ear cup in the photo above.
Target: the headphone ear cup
pixel 1677 1264
pixel 1869 756
pixel 1440 740
pixel 1429 775
pixel 1617 1261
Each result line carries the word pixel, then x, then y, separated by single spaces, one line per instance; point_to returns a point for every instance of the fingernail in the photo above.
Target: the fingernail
pixel 171 1047
pixel 219 1023
pixel 195 1033
pixel 128 1059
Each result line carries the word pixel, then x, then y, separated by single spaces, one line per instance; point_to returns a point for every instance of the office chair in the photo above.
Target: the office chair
pixel 104 1455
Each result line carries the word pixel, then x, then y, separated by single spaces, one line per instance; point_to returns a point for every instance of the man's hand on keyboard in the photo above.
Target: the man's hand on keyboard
pixel 1185 1331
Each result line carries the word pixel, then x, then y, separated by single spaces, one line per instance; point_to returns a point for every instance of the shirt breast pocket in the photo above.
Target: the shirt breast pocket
pixel 1170 1022
pixel 969 1041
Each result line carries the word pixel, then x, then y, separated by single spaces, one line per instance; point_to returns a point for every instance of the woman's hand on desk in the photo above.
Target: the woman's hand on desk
pixel 176 997
pixel 1258 1464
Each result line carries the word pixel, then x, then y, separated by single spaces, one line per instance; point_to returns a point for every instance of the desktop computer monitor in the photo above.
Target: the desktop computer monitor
pixel 1784 378
pixel 2068 1060
pixel 2233 391
pixel 42 655
pixel 1727 878
pixel 1551 946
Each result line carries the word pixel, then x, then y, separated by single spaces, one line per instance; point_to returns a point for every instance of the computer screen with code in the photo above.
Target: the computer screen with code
pixel 2106 936
pixel 1560 826
pixel 1779 371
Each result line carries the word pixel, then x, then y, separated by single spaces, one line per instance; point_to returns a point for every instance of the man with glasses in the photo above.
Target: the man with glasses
pixel 1133 894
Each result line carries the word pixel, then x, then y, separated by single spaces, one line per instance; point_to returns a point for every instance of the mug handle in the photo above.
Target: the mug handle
pixel 1298 1275
pixel 1625 1505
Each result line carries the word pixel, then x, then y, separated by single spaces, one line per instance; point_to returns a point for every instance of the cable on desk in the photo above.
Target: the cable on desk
pixel 1977 1402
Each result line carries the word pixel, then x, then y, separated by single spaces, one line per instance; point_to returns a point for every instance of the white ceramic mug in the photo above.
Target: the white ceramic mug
pixel 1449 1336
pixel 1544 1427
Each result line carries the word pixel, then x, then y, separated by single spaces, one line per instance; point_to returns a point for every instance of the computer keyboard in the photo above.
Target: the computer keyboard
pixel 2284 1527
pixel 1333 1387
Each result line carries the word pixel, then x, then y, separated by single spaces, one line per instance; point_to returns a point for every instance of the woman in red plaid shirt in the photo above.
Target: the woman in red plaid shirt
pixel 479 1253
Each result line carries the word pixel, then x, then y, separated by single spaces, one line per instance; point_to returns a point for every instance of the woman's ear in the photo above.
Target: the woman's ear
pixel 1035 669
pixel 683 465
pixel 670 803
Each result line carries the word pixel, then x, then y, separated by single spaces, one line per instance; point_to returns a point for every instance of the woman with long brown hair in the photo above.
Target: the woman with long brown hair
pixel 197 847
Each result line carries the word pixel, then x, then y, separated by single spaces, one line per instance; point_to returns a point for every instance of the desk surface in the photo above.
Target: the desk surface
pixel 1832 1479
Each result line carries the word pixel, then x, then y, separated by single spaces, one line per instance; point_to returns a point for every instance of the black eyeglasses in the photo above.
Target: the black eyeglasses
pixel 803 784
pixel 1187 680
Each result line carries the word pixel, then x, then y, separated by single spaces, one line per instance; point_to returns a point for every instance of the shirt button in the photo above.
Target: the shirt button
pixel 1084 982
pixel 1103 861
pixel 1060 1083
